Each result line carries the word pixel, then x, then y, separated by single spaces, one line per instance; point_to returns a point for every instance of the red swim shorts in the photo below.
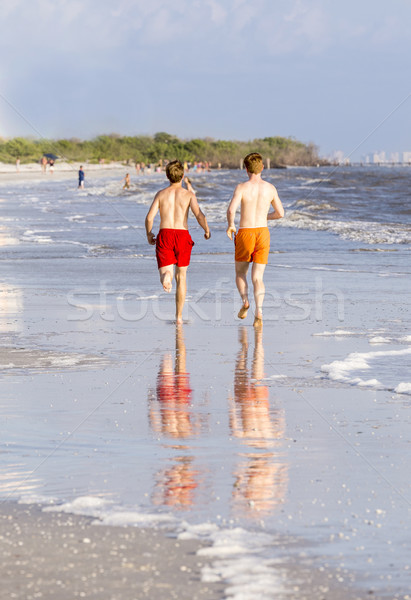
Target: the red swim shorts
pixel 173 247
pixel 252 244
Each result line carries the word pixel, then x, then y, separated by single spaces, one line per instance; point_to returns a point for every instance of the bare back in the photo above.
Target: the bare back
pixel 256 199
pixel 174 204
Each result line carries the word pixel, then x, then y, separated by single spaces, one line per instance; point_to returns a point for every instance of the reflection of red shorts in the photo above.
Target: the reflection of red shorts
pixel 252 244
pixel 173 247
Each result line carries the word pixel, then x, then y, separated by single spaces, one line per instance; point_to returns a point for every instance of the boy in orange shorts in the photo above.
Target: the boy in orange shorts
pixel 252 242
pixel 173 242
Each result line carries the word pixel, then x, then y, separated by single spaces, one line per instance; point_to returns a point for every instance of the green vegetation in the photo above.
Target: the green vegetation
pixel 281 151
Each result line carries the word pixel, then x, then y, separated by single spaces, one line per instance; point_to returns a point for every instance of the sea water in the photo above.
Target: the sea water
pixel 293 442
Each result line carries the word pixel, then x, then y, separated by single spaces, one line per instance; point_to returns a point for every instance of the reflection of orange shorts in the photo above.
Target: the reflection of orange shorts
pixel 252 244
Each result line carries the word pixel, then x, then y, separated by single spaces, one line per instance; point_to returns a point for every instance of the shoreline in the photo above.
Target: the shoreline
pixel 64 555
pixel 254 461
pixel 62 171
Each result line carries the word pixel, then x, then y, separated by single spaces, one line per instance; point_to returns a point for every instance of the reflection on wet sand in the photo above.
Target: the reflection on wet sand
pixel 11 308
pixel 261 478
pixel 170 415
pixel 14 478
pixel 5 238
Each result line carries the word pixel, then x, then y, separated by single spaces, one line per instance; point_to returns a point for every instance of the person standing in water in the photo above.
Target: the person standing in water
pixel 126 185
pixel 173 242
pixel 81 178
pixel 252 242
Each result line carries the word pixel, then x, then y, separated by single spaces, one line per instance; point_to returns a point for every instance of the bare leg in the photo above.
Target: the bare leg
pixel 166 277
pixel 181 290
pixel 241 269
pixel 257 275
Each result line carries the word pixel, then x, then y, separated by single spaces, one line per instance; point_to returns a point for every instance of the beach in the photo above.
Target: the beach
pixel 255 464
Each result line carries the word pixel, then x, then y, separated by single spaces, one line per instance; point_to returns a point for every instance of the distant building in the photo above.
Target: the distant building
pixel 406 157
pixel 339 157
pixel 379 157
pixel 395 157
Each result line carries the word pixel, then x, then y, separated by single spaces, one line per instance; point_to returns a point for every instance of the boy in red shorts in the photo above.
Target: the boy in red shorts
pixel 173 242
pixel 252 242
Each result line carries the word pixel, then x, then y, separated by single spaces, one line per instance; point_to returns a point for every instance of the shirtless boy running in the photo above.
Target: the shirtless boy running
pixel 173 242
pixel 252 242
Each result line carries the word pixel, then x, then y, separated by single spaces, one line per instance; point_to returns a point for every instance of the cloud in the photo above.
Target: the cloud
pixel 94 65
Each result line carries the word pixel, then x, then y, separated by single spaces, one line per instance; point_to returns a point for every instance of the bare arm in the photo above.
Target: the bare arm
pixel 231 210
pixel 150 220
pixel 200 216
pixel 189 185
pixel 277 206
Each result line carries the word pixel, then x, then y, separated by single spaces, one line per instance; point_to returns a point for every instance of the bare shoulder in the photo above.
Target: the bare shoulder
pixel 241 187
pixel 269 188
pixel 184 196
pixel 162 193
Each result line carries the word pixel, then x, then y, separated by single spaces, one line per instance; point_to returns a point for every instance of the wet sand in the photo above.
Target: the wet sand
pixel 64 556
pixel 62 171
pixel 254 436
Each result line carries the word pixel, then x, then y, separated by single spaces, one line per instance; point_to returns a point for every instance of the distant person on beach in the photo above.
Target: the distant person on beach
pixel 51 165
pixel 18 164
pixel 44 164
pixel 81 178
pixel 126 185
pixel 173 242
pixel 252 242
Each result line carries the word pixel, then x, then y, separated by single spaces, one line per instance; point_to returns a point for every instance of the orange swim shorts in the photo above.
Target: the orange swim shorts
pixel 252 244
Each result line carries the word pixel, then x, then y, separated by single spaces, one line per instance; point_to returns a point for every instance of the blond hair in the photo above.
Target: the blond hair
pixel 254 163
pixel 175 171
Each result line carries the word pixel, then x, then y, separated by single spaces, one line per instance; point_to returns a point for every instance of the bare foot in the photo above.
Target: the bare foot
pixel 242 313
pixel 167 283
pixel 179 320
pixel 258 322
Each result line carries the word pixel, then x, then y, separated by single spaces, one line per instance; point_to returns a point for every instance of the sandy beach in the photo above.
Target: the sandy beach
pixel 65 556
pixel 234 463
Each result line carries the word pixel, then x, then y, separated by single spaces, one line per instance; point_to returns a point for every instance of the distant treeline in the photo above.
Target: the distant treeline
pixel 151 149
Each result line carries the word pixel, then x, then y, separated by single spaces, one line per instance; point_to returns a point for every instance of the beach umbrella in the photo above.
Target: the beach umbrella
pixel 51 156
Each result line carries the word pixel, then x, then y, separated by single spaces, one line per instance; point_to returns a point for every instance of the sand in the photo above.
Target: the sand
pixel 260 441
pixel 64 556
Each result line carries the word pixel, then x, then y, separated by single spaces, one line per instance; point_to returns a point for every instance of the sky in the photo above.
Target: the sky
pixel 333 73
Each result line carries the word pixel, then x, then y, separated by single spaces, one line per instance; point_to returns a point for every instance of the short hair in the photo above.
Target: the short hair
pixel 254 163
pixel 175 171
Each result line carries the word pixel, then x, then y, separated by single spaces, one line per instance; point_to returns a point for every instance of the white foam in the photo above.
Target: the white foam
pixel 83 505
pixel 378 339
pixel 36 499
pixel 342 370
pixel 338 332
pixel 239 561
pixel 76 218
pixel 123 518
pixel 64 361
pixel 108 514
pixel 403 388
pixel 358 231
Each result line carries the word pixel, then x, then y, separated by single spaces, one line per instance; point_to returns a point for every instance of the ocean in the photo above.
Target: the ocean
pixel 290 443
